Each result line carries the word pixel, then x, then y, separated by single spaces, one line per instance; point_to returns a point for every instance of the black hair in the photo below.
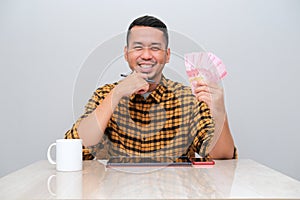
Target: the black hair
pixel 149 21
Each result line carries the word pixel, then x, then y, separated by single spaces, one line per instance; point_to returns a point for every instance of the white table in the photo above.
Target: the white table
pixel 227 179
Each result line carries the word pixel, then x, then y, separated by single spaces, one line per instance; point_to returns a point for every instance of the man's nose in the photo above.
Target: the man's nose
pixel 146 54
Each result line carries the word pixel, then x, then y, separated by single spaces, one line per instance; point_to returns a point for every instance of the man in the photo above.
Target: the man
pixel 146 114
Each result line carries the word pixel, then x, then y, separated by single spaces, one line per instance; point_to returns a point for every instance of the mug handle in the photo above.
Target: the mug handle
pixel 49 155
pixel 49 185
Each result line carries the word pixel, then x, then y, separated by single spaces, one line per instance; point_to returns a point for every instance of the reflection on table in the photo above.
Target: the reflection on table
pixel 227 179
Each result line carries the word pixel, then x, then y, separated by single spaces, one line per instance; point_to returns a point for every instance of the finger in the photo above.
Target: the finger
pixel 209 84
pixel 141 75
pixel 212 89
pixel 205 99
pixel 214 85
pixel 139 78
pixel 200 89
pixel 204 96
pixel 199 83
pixel 143 90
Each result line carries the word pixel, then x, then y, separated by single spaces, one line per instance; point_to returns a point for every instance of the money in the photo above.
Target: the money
pixel 204 66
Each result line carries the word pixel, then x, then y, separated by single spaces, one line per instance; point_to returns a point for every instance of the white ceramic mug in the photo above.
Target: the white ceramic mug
pixel 68 154
pixel 68 185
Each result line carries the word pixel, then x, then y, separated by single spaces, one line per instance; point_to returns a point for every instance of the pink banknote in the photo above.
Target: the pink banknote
pixel 204 66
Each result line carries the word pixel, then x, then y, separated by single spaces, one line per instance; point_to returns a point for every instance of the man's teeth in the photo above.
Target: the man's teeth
pixel 146 66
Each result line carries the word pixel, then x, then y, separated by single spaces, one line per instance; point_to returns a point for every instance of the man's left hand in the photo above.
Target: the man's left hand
pixel 211 93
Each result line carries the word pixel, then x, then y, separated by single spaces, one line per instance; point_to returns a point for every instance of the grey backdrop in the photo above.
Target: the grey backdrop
pixel 43 45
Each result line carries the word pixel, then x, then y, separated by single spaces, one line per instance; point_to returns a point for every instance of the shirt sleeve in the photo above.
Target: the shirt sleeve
pixel 202 129
pixel 88 153
pixel 235 153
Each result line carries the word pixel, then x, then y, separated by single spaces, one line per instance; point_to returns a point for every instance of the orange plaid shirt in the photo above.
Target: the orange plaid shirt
pixel 169 122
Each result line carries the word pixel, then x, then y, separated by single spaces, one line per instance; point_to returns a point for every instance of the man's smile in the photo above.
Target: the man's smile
pixel 146 68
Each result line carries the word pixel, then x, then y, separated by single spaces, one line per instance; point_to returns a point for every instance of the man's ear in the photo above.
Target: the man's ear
pixel 125 53
pixel 168 55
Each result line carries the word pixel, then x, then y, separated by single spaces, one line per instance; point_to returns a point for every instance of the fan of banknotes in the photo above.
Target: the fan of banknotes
pixel 207 67
pixel 204 66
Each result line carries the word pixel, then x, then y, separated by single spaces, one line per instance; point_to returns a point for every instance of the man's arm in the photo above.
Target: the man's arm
pixel 91 128
pixel 213 95
pixel 224 147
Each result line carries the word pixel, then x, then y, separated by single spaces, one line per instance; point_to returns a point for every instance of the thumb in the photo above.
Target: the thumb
pixel 143 90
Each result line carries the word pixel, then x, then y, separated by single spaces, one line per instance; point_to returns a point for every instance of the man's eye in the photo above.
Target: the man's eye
pixel 138 48
pixel 155 48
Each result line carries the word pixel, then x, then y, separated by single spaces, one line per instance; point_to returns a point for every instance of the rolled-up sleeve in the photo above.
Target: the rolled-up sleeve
pixel 88 153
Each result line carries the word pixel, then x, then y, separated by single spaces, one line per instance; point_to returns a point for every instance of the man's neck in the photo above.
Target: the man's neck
pixel 152 87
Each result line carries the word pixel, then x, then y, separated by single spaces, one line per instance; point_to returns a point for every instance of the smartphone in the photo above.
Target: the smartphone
pixel 202 161
pixel 148 161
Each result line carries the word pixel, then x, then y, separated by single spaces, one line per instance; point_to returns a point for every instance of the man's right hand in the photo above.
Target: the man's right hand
pixel 91 128
pixel 135 83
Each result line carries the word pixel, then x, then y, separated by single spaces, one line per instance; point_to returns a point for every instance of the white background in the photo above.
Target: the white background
pixel 44 44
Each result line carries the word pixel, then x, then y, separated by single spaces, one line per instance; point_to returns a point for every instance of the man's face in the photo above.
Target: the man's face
pixel 146 51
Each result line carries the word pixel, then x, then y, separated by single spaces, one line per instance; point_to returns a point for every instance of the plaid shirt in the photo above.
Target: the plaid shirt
pixel 169 122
